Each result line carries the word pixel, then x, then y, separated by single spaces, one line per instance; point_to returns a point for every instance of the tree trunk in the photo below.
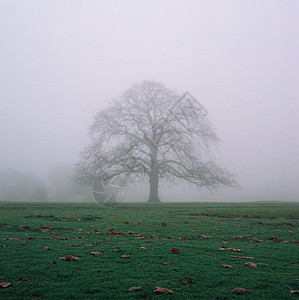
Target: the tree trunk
pixel 154 183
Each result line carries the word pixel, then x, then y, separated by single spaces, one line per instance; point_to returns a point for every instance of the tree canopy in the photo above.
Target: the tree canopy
pixel 152 132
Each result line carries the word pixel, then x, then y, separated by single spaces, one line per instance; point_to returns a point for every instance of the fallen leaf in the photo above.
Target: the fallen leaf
pixel 96 253
pixel 135 288
pixel 3 245
pixel 47 248
pixel 163 291
pixel 116 250
pixel 175 250
pixel 13 239
pixel 187 281
pixel 74 245
pixel 152 236
pixel 230 249
pixel 134 234
pixel 294 292
pixel 202 236
pixel 226 266
pixel 142 248
pixel 240 291
pixel 46 227
pixel 25 227
pixel 292 241
pixel 125 256
pixel 69 258
pixel 4 285
pixel 277 240
pixel 250 264
pixel 126 222
pixel 167 263
pixel 88 245
pixel 24 279
pixel 56 233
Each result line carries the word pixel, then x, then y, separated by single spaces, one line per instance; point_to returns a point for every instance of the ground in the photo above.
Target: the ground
pixel 179 247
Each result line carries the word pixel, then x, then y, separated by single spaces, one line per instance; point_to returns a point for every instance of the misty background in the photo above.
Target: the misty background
pixel 62 61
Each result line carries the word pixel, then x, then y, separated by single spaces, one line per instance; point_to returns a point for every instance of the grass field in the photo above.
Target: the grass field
pixel 264 234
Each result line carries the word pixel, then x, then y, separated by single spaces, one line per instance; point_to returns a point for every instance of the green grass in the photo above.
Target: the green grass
pixel 37 273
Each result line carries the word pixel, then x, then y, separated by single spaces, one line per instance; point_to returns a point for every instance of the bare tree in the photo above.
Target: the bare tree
pixel 151 132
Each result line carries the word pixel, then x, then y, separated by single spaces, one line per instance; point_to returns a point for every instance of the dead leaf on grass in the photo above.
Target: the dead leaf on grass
pixel 187 281
pixel 3 245
pixel 47 248
pixel 203 236
pixel 250 264
pixel 25 227
pixel 56 233
pixel 163 291
pixel 23 279
pixel 74 245
pixel 240 291
pixel 125 256
pixel 294 292
pixel 226 266
pixel 135 288
pixel 175 250
pixel 13 239
pixel 230 249
pixel 152 236
pixel 4 285
pixel 167 263
pixel 69 258
pixel 46 227
pixel 274 239
pixel 116 250
pixel 96 253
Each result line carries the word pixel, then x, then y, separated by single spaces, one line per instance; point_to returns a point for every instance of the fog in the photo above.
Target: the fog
pixel 63 61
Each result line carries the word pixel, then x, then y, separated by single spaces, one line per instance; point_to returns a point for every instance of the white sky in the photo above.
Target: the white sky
pixel 63 61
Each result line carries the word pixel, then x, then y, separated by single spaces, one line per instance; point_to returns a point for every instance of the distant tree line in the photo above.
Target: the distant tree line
pixel 19 186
